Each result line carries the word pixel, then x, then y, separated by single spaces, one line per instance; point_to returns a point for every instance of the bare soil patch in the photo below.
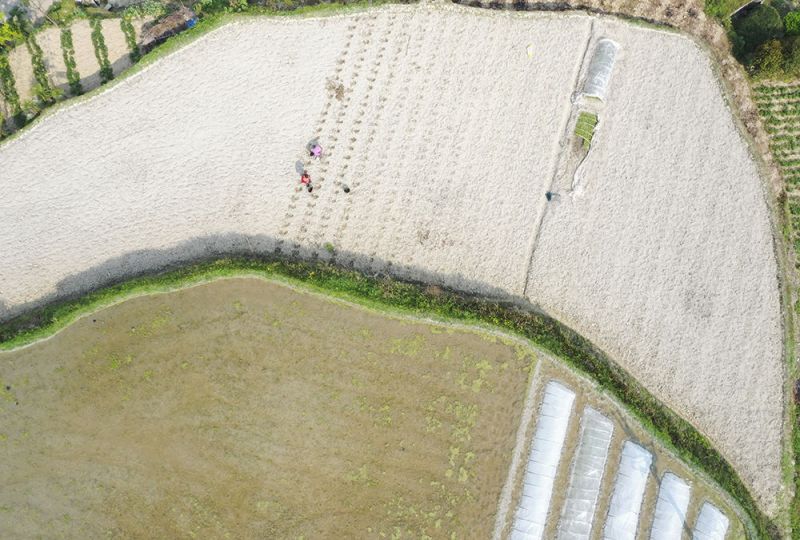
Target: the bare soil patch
pixel 50 42
pixel 85 59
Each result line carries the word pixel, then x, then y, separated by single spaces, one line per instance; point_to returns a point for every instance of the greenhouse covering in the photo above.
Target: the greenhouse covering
pixel 540 472
pixel 711 524
pixel 626 500
pixel 586 476
pixel 673 501
pixel 600 68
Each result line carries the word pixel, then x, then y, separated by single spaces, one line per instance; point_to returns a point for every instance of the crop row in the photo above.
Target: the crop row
pixel 777 90
pixel 780 109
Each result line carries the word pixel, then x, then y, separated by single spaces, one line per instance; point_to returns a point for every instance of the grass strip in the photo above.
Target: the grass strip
pixel 100 50
pixel 419 299
pixel 68 50
pixel 130 38
pixel 43 89
pixel 8 88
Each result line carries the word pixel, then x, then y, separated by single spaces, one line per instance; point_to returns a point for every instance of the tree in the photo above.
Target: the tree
pixel 769 59
pixel 792 62
pixel 759 26
pixel 792 23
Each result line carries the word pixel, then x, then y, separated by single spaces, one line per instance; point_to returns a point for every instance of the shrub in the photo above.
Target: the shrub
pixel 63 12
pixel 792 23
pixel 759 26
pixel 68 50
pixel 9 36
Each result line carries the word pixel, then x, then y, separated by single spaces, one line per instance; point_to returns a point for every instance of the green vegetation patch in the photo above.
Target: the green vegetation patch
pixel 722 9
pixel 384 293
pixel 584 128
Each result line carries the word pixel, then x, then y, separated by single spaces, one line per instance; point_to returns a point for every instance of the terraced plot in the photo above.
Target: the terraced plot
pixel 74 43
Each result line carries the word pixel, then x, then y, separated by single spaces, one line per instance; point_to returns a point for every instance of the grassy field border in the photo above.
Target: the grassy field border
pixel 419 299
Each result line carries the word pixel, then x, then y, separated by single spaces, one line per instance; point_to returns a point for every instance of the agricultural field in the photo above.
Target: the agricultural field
pixel 442 166
pixel 780 108
pixel 245 408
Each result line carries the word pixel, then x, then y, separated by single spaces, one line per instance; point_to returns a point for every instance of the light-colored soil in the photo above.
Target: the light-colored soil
pixel 85 59
pixel 448 135
pixel 20 61
pixel 669 253
pixel 118 52
pixel 50 42
pixel 245 409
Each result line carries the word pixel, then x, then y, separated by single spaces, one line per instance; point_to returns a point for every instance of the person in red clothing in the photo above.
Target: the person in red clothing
pixel 305 181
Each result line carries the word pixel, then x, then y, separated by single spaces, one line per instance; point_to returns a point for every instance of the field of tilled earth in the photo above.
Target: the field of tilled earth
pixel 662 258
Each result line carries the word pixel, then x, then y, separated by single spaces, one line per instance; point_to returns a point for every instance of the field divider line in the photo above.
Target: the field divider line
pixel 562 144
pixel 504 503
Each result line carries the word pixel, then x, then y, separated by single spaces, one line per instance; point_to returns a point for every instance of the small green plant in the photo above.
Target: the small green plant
pixel 31 108
pixel 329 248
pixel 584 128
pixel 791 23
pixel 100 50
pixel 130 38
pixel 68 50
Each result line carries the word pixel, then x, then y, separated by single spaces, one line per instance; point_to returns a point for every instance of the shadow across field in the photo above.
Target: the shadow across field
pixel 204 248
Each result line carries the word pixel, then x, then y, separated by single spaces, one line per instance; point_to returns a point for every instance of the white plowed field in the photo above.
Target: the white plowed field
pixel 447 126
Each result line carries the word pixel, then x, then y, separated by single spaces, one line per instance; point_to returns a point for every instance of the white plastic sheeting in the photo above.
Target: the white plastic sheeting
pixel 600 68
pixel 626 501
pixel 711 524
pixel 670 515
pixel 540 472
pixel 586 477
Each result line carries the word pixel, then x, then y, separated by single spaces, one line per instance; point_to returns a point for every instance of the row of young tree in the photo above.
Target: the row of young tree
pixel 766 39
